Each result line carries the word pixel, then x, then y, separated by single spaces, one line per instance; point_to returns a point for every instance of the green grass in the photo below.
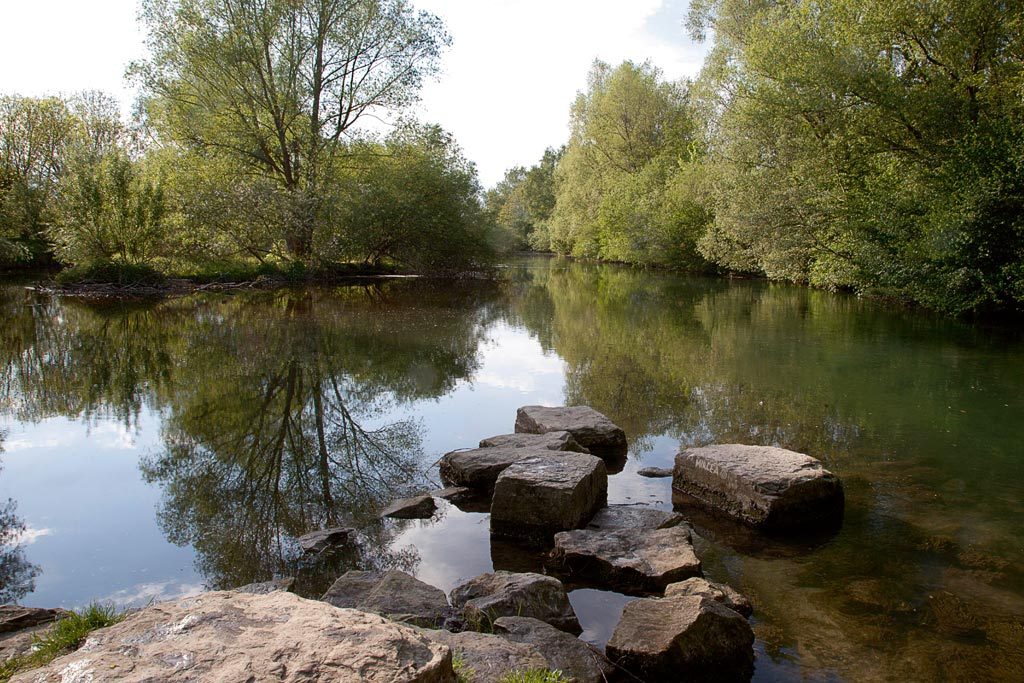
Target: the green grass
pixel 67 635
pixel 463 672
pixel 535 676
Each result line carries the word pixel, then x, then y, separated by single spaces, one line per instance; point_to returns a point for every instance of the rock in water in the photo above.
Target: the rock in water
pixel 506 594
pixel 553 441
pixel 230 636
pixel 682 639
pixel 633 517
pixel 655 472
pixel 538 496
pixel 626 560
pixel 393 594
pixel 418 507
pixel 15 618
pixel 590 428
pixel 264 587
pixel 490 658
pixel 719 592
pixel 479 468
pixel 318 541
pixel 577 660
pixel 767 487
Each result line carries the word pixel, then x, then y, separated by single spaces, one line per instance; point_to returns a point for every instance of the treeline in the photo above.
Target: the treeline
pixel 245 150
pixel 869 146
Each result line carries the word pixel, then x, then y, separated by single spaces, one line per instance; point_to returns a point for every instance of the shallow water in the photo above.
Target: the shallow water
pixel 154 450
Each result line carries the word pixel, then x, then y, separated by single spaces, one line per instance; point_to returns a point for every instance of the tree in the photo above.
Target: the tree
pixel 274 85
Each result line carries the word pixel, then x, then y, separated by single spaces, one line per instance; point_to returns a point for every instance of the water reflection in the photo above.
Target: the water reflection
pixel 17 574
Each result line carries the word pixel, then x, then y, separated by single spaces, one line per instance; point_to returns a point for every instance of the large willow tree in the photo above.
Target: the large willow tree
pixel 271 87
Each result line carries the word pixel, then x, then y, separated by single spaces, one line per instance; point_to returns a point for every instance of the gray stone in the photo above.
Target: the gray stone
pixel 479 468
pixel 719 592
pixel 487 597
pixel 682 638
pixel 418 507
pixel 655 472
pixel 393 594
pixel 318 541
pixel 577 660
pixel 626 560
pixel 590 428
pixel 553 441
pixel 489 658
pixel 766 487
pixel 264 587
pixel 15 618
pixel 538 496
pixel 633 517
pixel 231 636
pixel 453 493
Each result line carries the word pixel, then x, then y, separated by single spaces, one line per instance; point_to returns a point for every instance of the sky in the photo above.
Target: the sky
pixel 505 87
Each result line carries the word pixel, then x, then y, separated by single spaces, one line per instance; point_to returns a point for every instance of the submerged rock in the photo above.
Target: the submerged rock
pixel 538 496
pixel 231 636
pixel 577 660
pixel 487 597
pixel 719 592
pixel 490 658
pixel 418 507
pixel 626 560
pixel 479 468
pixel 553 441
pixel 590 428
pixel 318 541
pixel 393 594
pixel 767 487
pixel 682 638
pixel 655 472
pixel 633 517
pixel 264 587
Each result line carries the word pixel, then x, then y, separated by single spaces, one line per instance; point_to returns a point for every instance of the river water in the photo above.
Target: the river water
pixel 153 450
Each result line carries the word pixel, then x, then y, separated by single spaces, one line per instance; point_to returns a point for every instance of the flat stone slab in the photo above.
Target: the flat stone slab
pixel 682 638
pixel 537 496
pixel 318 541
pixel 490 658
pixel 553 441
pixel 626 560
pixel 590 428
pixel 479 468
pixel 418 507
pixel 231 636
pixel 719 592
pixel 633 517
pixel 393 594
pixel 655 472
pixel 767 487
pixel 577 660
pixel 488 597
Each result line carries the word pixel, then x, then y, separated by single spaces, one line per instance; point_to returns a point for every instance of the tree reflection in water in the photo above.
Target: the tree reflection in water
pixel 17 574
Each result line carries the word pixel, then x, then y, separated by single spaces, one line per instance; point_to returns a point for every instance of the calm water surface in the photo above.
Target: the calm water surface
pixel 156 450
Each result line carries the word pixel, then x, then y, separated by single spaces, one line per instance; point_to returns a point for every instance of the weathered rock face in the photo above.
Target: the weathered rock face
pixel 767 487
pixel 490 658
pixel 719 592
pixel 633 517
pixel 504 594
pixel 318 541
pixel 479 468
pixel 418 507
pixel 590 428
pixel 578 661
pixel 632 562
pixel 264 587
pixel 393 594
pixel 15 618
pixel 682 638
pixel 231 636
pixel 655 472
pixel 538 496
pixel 553 441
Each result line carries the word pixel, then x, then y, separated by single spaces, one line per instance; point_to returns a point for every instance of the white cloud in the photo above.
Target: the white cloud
pixel 156 591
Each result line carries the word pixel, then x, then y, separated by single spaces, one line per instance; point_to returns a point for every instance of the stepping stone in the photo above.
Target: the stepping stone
pixel 537 496
pixel 769 488
pixel 419 507
pixel 553 441
pixel 590 428
pixel 393 594
pixel 318 541
pixel 479 468
pixel 627 560
pixel 578 661
pixel 682 638
pixel 655 472
pixel 633 517
pixel 453 493
pixel 265 587
pixel 488 597
pixel 719 592
pixel 489 658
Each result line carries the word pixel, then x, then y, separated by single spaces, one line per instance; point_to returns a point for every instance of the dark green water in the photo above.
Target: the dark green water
pixel 153 450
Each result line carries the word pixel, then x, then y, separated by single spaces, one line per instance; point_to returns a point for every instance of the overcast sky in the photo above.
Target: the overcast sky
pixel 506 83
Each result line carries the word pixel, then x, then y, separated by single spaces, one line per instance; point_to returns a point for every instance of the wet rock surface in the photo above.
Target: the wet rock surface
pixel 479 468
pixel 590 428
pixel 770 488
pixel 626 560
pixel 682 638
pixel 489 658
pixel 393 594
pixel 633 517
pixel 318 541
pixel 231 636
pixel 719 592
pixel 538 496
pixel 577 660
pixel 488 597
pixel 553 441
pixel 418 507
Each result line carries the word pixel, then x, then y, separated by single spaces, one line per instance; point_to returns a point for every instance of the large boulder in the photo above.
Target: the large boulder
pixel 488 597
pixel 393 594
pixel 719 592
pixel 231 636
pixel 553 441
pixel 682 638
pixel 577 660
pixel 633 517
pixel 538 496
pixel 590 428
pixel 479 468
pixel 629 561
pixel 418 507
pixel 487 658
pixel 323 539
pixel 767 487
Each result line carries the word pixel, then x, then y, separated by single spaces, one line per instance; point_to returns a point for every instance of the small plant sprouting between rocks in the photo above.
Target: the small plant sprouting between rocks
pixel 535 676
pixel 463 672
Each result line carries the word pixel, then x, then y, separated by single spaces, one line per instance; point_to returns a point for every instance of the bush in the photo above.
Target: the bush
pixel 111 272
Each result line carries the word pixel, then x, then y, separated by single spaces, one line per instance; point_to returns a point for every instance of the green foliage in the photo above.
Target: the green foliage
pixel 115 272
pixel 520 206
